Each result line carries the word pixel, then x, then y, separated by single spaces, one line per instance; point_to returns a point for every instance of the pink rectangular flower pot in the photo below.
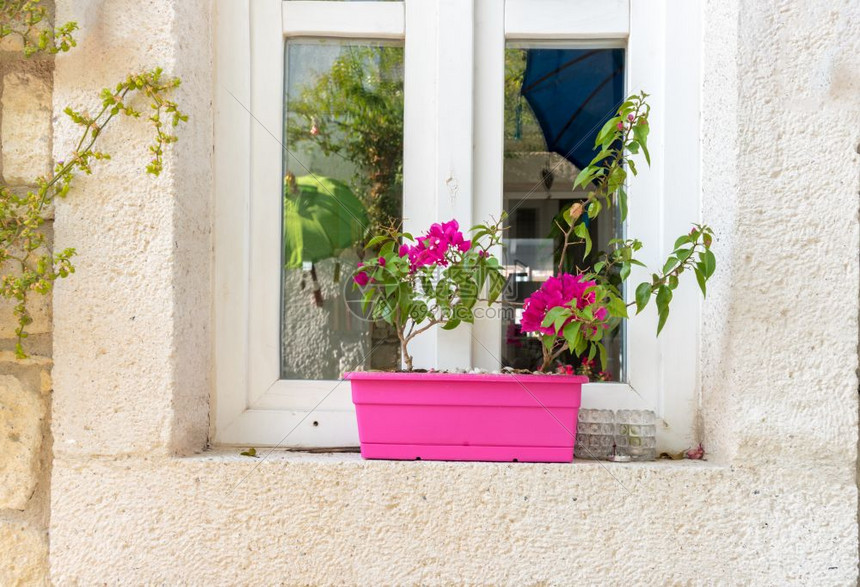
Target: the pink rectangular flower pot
pixel 466 417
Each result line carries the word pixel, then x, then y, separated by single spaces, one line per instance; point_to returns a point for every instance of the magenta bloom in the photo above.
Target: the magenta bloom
pixel 433 247
pixel 361 278
pixel 381 261
pixel 557 291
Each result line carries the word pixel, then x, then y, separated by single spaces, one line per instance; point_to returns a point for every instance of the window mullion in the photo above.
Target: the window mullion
pixel 438 141
pixel 489 109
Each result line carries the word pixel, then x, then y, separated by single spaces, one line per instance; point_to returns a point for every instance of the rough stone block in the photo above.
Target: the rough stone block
pixel 25 127
pixel 22 411
pixel 11 44
pixel 24 551
pixel 39 305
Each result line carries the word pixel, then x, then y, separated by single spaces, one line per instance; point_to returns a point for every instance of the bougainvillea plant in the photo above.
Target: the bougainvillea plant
pixel 438 278
pixel 576 312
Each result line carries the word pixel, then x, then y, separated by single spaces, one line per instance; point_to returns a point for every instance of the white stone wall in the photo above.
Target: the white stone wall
pixel 776 504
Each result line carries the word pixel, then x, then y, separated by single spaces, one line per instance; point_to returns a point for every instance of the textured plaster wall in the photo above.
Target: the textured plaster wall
pixel 776 505
pixel 25 386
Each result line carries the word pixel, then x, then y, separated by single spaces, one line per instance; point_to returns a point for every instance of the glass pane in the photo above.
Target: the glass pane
pixel 342 177
pixel 556 99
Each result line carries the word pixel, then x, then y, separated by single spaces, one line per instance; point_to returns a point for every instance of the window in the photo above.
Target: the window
pixel 343 164
pixel 460 143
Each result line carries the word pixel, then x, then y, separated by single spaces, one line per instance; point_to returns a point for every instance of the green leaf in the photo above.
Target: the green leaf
pixel 451 324
pixel 617 307
pixel 387 249
pixel 585 176
pixel 497 286
pixel 640 133
pixel 643 294
pixel 609 129
pixel 701 279
pixel 710 263
pixel 375 241
pixel 366 298
pixel 580 345
pixel 426 285
pixel 547 340
pixel 419 312
pixel 602 350
pixel 664 296
pixel 671 262
pixel 572 334
pixel 554 314
pixel 625 271
pixel 581 230
pixel 587 313
pixel 622 202
pixel 682 240
pixel 684 254
pixel 616 180
pixel 673 281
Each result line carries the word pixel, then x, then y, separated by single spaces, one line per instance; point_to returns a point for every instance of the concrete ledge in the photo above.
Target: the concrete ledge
pixel 300 518
pixel 231 455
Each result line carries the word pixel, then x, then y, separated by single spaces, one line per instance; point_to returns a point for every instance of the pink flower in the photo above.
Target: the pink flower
pixel 361 278
pixel 433 247
pixel 620 126
pixel 630 117
pixel 696 453
pixel 557 291
pixel 381 261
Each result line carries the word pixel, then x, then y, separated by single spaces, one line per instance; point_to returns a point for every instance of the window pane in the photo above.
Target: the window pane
pixel 342 177
pixel 556 100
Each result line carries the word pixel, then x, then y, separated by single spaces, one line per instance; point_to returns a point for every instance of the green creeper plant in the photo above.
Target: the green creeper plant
pixel 27 20
pixel 26 266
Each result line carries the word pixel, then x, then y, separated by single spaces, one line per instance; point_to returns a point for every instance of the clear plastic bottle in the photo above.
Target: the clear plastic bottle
pixel 595 434
pixel 635 435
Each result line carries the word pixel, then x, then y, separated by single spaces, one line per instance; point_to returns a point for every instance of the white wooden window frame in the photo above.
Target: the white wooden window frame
pixel 453 167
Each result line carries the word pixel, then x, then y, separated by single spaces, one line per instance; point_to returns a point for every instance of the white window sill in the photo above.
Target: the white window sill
pixel 271 457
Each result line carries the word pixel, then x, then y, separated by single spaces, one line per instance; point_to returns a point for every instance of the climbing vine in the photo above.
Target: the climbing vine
pixel 27 20
pixel 27 265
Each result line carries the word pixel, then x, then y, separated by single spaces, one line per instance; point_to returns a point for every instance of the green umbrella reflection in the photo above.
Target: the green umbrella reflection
pixel 322 218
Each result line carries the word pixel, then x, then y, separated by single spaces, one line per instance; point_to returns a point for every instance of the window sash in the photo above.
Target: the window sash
pixel 452 168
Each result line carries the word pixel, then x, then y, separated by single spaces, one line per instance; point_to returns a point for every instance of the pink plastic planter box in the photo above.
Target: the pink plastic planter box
pixel 466 417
